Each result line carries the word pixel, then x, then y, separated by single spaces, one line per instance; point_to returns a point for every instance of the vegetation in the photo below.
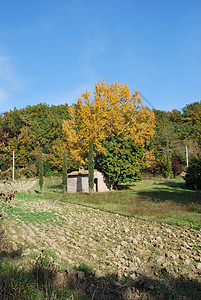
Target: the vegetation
pixel 91 167
pixel 64 174
pixel 114 110
pixel 159 139
pixel 129 141
pixel 41 173
pixel 35 282
pixel 173 133
pixel 193 175
pixel 158 199
pixel 123 161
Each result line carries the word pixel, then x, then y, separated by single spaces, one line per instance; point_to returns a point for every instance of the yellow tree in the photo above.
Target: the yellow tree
pixel 114 110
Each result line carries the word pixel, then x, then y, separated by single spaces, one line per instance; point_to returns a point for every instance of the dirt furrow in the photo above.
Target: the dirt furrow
pixel 109 242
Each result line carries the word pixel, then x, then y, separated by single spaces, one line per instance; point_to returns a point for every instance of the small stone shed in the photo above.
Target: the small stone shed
pixel 78 181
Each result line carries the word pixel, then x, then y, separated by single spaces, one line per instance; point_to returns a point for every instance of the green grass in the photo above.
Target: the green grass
pixel 18 283
pixel 156 199
pixel 29 216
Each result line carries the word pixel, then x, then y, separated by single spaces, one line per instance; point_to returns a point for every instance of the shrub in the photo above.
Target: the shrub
pixel 47 170
pixel 193 175
pixel 19 173
pixel 91 167
pixel 44 269
pixel 30 171
pixel 6 174
pixel 64 174
pixel 178 167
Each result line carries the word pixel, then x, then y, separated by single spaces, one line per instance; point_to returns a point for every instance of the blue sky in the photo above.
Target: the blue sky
pixel 53 50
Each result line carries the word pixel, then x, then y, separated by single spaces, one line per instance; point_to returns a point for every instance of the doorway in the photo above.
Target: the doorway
pixel 96 184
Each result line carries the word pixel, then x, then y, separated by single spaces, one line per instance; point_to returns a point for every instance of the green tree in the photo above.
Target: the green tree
pixel 7 145
pixel 41 172
pixel 91 167
pixel 166 142
pixel 123 161
pixel 25 144
pixel 56 158
pixel 64 174
pixel 193 175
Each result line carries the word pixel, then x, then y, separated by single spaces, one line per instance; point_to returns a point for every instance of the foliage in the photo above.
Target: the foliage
pixel 166 166
pixel 175 130
pixel 193 175
pixel 30 171
pixel 47 168
pixel 178 167
pixel 64 174
pixel 27 130
pixel 148 158
pixel 56 158
pixel 7 140
pixel 24 145
pixel 42 121
pixel 41 173
pixel 192 120
pixel 123 161
pixel 91 167
pixel 114 110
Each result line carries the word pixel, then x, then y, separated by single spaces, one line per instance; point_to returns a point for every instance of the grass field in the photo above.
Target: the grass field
pixel 157 199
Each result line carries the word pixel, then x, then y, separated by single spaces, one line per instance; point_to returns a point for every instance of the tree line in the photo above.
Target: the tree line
pixel 127 137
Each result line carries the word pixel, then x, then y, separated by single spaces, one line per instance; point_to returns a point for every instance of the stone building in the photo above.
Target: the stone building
pixel 78 181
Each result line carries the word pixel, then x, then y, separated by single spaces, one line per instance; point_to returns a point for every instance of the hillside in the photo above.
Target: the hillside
pixel 137 258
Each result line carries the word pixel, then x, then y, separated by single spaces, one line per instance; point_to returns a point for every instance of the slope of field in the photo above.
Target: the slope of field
pixel 150 254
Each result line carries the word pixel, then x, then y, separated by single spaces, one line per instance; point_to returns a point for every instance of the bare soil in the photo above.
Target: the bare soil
pixel 129 258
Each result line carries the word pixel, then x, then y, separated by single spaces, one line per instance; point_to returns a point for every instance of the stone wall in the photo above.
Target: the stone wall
pixel 79 183
pixel 102 183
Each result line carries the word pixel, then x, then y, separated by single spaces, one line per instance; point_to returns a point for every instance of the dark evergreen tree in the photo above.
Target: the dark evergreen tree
pixel 91 167
pixel 64 174
pixel 41 172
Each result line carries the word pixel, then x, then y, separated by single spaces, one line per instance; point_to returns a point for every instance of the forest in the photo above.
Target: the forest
pixel 129 139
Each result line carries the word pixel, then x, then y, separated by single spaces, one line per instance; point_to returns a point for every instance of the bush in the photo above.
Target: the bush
pixel 19 174
pixel 47 170
pixel 30 171
pixel 178 167
pixel 164 167
pixel 44 269
pixel 193 175
pixel 6 174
